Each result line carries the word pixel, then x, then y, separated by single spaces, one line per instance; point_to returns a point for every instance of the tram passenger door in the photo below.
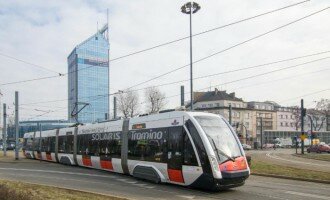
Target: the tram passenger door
pixel 175 154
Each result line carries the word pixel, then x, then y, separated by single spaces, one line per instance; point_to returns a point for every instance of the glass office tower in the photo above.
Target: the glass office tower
pixel 88 79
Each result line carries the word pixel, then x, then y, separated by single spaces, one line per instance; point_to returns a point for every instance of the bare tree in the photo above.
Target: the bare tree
pixel 324 106
pixel 155 99
pixel 128 102
pixel 296 113
pixel 318 119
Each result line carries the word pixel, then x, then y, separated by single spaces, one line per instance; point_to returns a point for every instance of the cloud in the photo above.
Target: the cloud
pixel 45 33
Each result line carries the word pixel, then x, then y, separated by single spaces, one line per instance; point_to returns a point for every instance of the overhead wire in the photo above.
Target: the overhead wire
pixel 150 48
pixel 206 76
pixel 231 47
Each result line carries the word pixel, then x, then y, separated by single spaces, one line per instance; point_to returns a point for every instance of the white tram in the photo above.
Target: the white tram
pixel 186 148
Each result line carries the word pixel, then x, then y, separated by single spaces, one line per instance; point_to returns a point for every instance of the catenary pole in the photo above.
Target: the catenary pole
pixel 261 130
pixel 302 125
pixel 4 130
pixel 16 125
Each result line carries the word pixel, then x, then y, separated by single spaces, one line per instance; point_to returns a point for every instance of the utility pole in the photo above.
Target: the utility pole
pixel 16 126
pixel 302 115
pixel 261 131
pixel 230 111
pixel 190 8
pixel 182 95
pixel 4 130
pixel 115 107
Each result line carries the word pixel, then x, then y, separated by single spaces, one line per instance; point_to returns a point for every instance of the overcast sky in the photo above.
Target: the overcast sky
pixel 45 32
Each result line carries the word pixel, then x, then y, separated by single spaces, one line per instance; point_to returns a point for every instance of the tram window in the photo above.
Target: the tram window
pixel 61 144
pixel 199 145
pixel 175 148
pixel 151 148
pixel 44 144
pixel 69 144
pixel 28 144
pixel 82 144
pixel 36 144
pixel 188 152
pixel 52 141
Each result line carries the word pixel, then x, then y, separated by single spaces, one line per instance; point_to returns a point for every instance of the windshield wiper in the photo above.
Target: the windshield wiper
pixel 221 152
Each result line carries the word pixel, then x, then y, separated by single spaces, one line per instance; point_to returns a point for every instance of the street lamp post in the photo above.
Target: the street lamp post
pixel 190 8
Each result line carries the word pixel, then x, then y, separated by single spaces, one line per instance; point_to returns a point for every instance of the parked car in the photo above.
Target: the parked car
pixel 268 145
pixel 319 148
pixel 246 147
pixel 10 145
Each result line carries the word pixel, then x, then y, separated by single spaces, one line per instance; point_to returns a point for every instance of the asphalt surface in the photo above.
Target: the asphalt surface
pixel 286 157
pixel 54 174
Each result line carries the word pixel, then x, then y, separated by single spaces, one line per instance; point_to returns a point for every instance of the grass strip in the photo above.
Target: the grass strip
pixel 27 191
pixel 323 157
pixel 262 167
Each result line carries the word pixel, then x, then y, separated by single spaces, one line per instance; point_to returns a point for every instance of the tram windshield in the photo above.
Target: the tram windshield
pixel 221 137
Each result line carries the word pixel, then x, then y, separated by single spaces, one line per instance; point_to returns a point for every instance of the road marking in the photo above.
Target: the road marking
pixel 186 196
pixel 58 172
pixel 294 161
pixel 308 195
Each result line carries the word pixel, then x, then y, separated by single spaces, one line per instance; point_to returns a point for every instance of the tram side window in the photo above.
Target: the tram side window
pixel 86 146
pixel 28 144
pixel 51 143
pixel 69 144
pixel 65 143
pixel 82 144
pixel 175 148
pixel 110 148
pixel 44 144
pixel 188 152
pixel 61 143
pixel 148 145
pixel 36 144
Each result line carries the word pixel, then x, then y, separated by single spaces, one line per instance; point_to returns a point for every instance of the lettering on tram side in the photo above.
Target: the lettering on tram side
pixel 147 134
pixel 106 136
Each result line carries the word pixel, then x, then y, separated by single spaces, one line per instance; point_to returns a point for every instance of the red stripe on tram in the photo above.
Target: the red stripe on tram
pixel 105 164
pixel 175 175
pixel 87 161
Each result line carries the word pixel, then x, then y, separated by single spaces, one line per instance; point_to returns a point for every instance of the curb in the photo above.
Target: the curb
pixel 292 178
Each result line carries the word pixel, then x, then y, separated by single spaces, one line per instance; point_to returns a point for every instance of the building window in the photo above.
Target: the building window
pixel 234 105
pixel 203 105
pixel 217 104
pixel 286 124
pixel 210 105
pixel 257 106
pixel 281 123
pixel 286 116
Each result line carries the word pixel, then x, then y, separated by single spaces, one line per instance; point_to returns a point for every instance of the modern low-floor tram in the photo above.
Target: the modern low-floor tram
pixel 186 148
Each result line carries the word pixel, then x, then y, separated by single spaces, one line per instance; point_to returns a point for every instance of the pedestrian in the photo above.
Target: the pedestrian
pixel 274 145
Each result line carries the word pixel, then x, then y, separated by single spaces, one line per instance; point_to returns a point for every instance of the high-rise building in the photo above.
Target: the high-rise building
pixel 88 79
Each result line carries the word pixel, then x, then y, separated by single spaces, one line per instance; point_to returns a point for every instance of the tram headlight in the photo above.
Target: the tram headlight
pixel 214 164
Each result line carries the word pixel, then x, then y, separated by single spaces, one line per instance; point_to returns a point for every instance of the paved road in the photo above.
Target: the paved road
pixel 121 185
pixel 285 157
